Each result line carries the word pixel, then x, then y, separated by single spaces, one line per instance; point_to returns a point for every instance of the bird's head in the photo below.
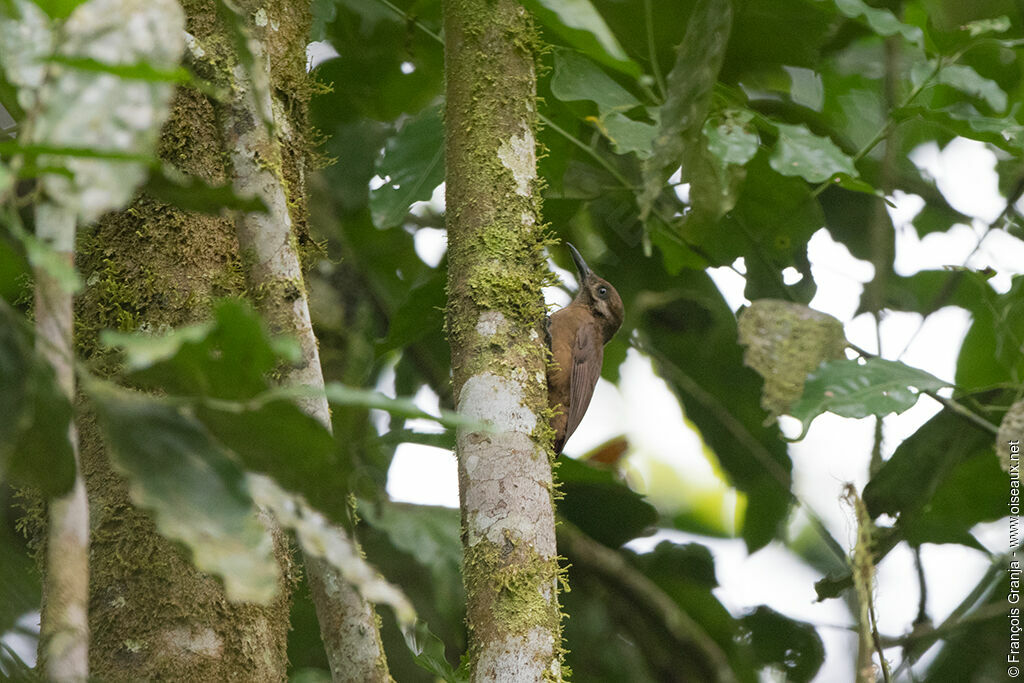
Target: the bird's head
pixel 599 296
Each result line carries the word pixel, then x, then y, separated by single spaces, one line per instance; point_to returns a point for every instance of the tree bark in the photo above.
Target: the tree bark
pixel 273 168
pixel 494 326
pixel 153 616
pixel 64 623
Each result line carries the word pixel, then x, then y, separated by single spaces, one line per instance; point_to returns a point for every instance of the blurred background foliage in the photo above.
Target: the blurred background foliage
pixel 667 150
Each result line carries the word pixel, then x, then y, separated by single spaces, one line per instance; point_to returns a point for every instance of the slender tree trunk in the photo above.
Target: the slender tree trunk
pixel 273 169
pixel 64 629
pixel 494 321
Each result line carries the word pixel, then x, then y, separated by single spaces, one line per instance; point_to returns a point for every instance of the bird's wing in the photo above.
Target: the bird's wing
pixel 587 355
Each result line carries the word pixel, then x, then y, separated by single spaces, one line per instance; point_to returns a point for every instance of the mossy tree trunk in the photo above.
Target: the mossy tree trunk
pixel 152 615
pixel 272 167
pixel 495 328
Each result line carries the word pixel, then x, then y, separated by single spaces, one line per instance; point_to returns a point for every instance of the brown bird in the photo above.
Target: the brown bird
pixel 578 335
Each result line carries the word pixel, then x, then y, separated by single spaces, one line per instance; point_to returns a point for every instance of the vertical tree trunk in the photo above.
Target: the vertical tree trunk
pixel 153 616
pixel 64 628
pixel 494 324
pixel 273 169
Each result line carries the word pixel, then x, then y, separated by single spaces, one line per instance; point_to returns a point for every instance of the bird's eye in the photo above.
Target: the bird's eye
pixel 602 291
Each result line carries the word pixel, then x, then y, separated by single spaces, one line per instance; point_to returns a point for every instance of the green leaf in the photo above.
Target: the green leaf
pixel 627 135
pixel 690 84
pixel 882 21
pixel 35 449
pixel 581 27
pixel 412 166
pixel 578 78
pixel 980 27
pixel 332 545
pixel 793 647
pixel 940 482
pixel 193 194
pixel 428 652
pixel 280 440
pixel 964 79
pixel 226 358
pixel 41 255
pixel 730 137
pixel 799 152
pixel 601 505
pixel 963 119
pixel 194 491
pixel 990 353
pixel 851 389
pixel 340 394
pixel 58 9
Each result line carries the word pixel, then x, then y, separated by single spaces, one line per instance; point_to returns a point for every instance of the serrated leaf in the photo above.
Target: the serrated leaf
pixel 35 449
pixel 963 78
pixel 882 21
pixel 412 166
pixel 227 357
pixel 194 491
pixel 849 388
pixel 580 25
pixel 322 540
pixel 730 137
pixel 982 26
pixel 799 152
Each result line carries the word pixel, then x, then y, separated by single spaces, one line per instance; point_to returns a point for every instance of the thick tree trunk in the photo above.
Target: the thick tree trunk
pixel 153 616
pixel 495 314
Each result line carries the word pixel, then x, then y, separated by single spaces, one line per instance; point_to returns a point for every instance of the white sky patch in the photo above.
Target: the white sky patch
pixel 319 52
pixel 430 245
pixel 731 283
pixel 965 173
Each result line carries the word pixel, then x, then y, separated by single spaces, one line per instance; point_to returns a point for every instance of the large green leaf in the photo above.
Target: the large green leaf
pixel 909 479
pixel 35 449
pixel 881 21
pixel 990 354
pixel 227 357
pixel 600 505
pixel 577 78
pixel 783 643
pixel 799 152
pixel 582 27
pixel 195 492
pixel 850 388
pixel 412 166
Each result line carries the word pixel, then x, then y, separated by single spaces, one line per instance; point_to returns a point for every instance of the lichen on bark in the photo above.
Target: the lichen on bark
pixel 494 326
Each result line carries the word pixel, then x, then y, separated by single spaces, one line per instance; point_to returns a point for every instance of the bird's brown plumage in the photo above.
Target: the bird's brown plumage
pixel 578 335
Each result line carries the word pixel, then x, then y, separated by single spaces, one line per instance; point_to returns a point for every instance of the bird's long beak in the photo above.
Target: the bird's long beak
pixel 581 265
